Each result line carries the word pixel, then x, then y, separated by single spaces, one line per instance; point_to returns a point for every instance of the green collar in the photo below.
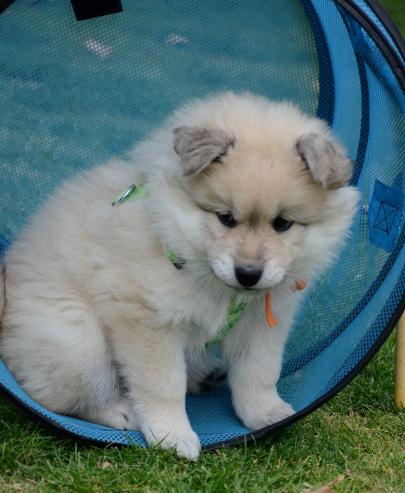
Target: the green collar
pixel 235 312
pixel 236 307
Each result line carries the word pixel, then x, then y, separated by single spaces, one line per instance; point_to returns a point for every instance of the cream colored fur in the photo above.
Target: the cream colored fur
pixel 91 299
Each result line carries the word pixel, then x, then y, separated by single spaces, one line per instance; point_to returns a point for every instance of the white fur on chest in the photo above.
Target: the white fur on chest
pixel 183 304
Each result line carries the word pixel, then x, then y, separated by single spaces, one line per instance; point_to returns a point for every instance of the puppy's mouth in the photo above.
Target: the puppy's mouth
pixel 247 278
pixel 252 291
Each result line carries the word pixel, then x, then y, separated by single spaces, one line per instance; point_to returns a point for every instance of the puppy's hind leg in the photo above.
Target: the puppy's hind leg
pixel 60 356
pixel 119 414
pixel 205 370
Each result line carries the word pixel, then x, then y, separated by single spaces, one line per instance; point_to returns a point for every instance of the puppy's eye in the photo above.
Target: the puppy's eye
pixel 281 224
pixel 227 219
pixel 217 159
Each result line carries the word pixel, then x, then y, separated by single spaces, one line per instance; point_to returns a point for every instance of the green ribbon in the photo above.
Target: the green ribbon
pixel 130 194
pixel 170 255
pixel 235 312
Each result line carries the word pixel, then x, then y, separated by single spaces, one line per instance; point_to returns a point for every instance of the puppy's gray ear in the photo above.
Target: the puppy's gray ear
pixel 325 159
pixel 199 147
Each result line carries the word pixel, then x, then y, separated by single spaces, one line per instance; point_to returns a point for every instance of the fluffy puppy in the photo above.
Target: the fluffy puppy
pixel 251 195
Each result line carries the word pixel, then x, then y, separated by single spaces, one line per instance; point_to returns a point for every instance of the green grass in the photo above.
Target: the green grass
pixel 355 443
pixel 396 9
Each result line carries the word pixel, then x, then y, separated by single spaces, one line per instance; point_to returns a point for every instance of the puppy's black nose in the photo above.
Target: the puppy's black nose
pixel 248 276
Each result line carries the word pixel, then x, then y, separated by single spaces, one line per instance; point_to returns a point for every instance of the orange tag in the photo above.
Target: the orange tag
pixel 300 284
pixel 270 319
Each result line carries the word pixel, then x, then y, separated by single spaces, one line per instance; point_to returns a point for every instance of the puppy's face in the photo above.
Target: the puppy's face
pixel 264 202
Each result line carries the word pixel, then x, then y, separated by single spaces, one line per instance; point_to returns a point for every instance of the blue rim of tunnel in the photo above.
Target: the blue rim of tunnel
pixel 326 99
pixel 365 111
pixel 389 25
pixel 365 122
pixel 325 110
pixel 394 57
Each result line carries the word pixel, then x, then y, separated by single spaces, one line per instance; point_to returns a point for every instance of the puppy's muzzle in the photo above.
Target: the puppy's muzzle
pixel 248 276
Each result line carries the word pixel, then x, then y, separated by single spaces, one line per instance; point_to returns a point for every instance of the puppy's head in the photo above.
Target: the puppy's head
pixel 267 184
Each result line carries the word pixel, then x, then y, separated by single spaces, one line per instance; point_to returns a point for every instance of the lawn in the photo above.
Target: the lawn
pixel 354 443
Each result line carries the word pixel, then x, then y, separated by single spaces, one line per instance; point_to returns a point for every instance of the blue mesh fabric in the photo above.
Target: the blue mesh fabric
pixel 75 94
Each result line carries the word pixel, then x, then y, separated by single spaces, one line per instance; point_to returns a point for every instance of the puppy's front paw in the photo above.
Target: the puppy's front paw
pixel 183 439
pixel 262 409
